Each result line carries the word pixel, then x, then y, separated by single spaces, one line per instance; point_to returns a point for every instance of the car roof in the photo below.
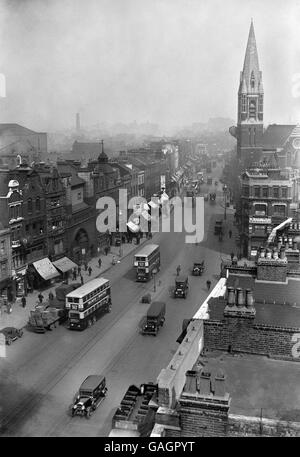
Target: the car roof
pixel 181 278
pixel 91 382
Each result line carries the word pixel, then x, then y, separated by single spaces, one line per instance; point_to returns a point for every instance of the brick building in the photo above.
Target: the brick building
pixel 229 374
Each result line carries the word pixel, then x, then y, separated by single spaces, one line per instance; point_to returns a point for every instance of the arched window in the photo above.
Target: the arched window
pixel 252 80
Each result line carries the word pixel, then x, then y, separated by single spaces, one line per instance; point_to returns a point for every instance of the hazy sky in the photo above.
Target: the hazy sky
pixel 171 62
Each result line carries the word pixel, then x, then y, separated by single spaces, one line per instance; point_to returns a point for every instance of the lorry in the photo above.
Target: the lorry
pixel 154 319
pixel 51 313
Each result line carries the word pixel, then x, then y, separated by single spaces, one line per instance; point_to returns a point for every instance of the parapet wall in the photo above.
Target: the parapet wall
pixel 171 380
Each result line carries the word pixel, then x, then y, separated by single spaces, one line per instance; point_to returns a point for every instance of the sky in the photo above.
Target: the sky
pixel 170 62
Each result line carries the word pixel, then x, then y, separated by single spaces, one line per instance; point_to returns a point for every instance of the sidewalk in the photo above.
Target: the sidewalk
pixel 19 315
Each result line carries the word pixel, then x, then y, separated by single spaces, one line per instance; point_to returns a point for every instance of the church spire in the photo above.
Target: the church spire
pixel 251 73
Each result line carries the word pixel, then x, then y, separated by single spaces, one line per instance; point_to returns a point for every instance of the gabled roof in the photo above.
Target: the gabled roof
pixel 276 135
pixel 76 181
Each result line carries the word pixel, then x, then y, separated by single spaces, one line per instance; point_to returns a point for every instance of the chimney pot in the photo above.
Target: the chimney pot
pixel 231 296
pixel 295 245
pixel 240 297
pixel 205 383
pixel 191 381
pixel 275 254
pixel 269 254
pixel 249 298
pixel 220 384
pixel 282 253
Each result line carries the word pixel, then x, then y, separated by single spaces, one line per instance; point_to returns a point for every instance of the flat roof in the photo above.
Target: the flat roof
pixel 146 250
pixel 258 385
pixel 87 287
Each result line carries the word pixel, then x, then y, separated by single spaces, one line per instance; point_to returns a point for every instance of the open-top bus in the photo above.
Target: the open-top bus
pixel 146 260
pixel 87 303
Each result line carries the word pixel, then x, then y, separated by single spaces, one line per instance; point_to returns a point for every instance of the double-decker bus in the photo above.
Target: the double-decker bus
pixel 87 303
pixel 146 260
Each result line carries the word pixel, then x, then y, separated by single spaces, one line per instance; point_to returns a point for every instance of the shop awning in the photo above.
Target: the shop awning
pixel 64 264
pixel 45 269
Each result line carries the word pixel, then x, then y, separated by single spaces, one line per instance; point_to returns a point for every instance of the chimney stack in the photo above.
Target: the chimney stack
pixel 231 296
pixel 77 122
pixel 249 298
pixel 240 297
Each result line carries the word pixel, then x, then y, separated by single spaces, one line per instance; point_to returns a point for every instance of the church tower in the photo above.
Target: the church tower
pixel 249 130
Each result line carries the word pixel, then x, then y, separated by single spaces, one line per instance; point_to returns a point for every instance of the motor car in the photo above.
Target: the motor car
pixel 181 287
pixel 11 334
pixel 198 268
pixel 91 393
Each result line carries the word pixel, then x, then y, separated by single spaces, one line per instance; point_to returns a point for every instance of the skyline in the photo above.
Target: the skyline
pixel 151 60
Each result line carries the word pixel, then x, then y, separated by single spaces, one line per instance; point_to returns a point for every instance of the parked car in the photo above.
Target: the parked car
pixel 91 393
pixel 11 334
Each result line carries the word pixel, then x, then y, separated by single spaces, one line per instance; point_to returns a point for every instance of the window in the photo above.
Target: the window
pixel 256 191
pixel 276 192
pixel 279 210
pixel 265 192
pixel 3 247
pixel 245 191
pixel 260 210
pixel 3 268
pixel 27 228
pixel 284 192
pixel 244 103
pixel 79 196
pixel 29 203
pixel 261 103
pixel 38 204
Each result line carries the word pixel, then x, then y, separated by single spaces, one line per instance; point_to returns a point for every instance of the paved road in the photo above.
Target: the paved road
pixel 42 372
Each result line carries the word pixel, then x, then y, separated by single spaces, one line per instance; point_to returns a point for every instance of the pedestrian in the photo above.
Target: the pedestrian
pixel 232 256
pixel 79 270
pixel 51 296
pixel 81 279
pixel 208 284
pixel 74 274
pixel 178 270
pixel 99 262
pixel 230 233
pixel 106 250
pixel 90 271
pixel 85 266
pixel 23 301
pixel 40 297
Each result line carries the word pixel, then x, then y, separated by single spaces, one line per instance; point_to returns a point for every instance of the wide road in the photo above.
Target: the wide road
pixel 41 373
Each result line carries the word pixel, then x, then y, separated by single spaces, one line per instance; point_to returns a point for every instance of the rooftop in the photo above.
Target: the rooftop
pixel 266 314
pixel 276 135
pixel 258 385
pixel 268 292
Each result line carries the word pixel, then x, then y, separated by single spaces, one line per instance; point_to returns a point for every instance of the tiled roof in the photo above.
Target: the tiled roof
pixel 276 135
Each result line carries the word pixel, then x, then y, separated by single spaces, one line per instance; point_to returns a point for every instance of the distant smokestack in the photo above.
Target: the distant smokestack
pixel 77 122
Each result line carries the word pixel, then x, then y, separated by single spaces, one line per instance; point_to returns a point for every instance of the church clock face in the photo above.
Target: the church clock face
pixel 296 143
